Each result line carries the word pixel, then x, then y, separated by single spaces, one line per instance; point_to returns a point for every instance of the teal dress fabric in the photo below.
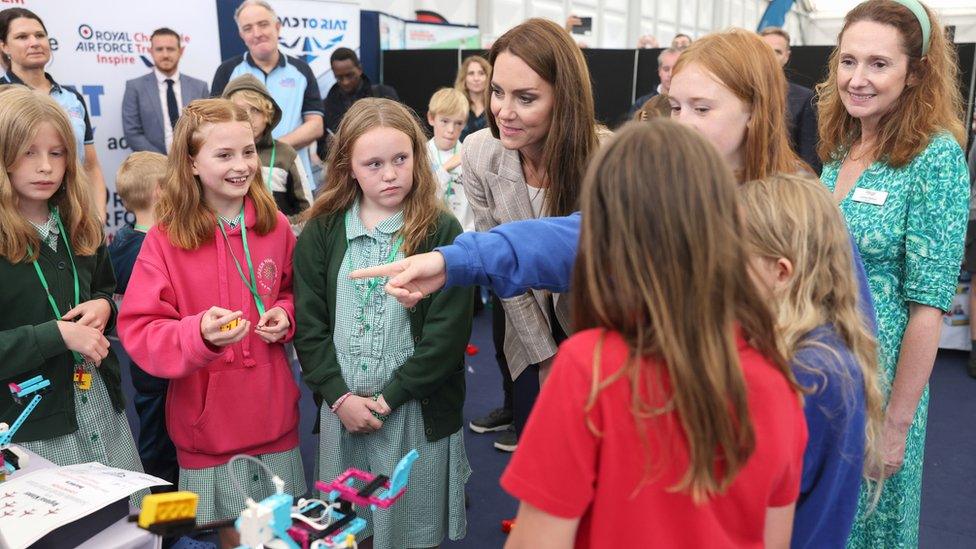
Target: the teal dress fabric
pixel 912 247
pixel 372 339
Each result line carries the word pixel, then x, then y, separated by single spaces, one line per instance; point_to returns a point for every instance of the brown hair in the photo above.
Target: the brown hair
pixel 658 106
pixel 933 104
pixel 420 207
pixel 549 51
pixel 181 211
pixel 459 80
pixel 743 63
pixel 256 100
pixel 675 285
pixel 138 178
pixel 22 111
pixel 795 218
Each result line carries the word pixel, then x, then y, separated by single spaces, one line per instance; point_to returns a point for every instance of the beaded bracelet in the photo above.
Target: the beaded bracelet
pixel 339 401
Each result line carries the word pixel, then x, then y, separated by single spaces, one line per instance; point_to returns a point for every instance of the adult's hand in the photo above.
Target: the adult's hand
pixel 412 279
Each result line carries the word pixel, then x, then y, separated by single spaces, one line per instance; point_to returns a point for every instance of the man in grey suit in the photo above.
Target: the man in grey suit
pixel 153 102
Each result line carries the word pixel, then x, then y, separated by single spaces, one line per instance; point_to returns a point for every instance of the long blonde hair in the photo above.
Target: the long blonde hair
pixel 794 217
pixel 420 207
pixel 933 104
pixel 746 65
pixel 22 111
pixel 181 211
pixel 676 287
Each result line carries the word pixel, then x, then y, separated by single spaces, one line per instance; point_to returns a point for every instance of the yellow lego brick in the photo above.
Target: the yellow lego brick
pixel 170 506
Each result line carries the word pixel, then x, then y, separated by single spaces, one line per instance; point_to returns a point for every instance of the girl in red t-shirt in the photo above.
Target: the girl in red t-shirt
pixel 671 419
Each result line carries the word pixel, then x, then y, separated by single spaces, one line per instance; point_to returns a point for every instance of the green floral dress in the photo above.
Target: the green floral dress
pixel 912 248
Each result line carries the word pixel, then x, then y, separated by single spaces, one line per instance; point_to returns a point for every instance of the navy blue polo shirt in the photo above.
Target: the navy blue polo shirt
pixel 291 84
pixel 72 102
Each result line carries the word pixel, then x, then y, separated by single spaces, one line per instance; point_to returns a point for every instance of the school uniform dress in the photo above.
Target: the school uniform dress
pixel 375 347
pixel 912 243
pixel 70 425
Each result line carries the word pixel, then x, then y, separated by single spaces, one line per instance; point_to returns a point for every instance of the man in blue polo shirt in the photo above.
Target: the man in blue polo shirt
pixel 289 80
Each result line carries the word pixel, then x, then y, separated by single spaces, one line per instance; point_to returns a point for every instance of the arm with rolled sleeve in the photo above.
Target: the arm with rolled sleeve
pixel 155 333
pixel 440 351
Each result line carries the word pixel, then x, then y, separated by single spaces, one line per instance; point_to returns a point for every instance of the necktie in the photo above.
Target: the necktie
pixel 171 105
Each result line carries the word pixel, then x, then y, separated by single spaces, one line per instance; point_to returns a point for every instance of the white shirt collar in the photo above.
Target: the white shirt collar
pixel 161 78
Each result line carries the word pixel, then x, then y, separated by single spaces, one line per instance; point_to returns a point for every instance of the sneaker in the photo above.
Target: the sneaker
pixel 507 441
pixel 498 419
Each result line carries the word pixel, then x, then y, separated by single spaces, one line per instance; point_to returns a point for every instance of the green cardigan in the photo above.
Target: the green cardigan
pixel 31 344
pixel 440 325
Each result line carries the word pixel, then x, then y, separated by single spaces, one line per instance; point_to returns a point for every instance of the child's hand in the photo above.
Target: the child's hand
pixel 380 406
pixel 84 340
pixel 217 317
pixel 273 325
pixel 94 313
pixel 452 162
pixel 357 416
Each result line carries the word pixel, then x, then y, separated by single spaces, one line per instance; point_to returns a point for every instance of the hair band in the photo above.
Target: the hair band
pixel 923 20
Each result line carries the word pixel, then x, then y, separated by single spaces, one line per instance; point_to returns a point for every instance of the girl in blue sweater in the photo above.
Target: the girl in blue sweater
pixel 800 254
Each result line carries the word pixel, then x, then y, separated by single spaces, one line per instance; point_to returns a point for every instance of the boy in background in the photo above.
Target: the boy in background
pixel 447 113
pixel 280 165
pixel 136 182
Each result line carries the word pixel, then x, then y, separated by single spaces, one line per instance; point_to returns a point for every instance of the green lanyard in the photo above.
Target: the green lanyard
pixel 141 228
pixel 74 273
pixel 274 151
pixel 373 283
pixel 251 284
pixel 450 182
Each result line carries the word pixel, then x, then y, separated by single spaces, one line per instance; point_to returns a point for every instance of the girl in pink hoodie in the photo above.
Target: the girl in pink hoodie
pixel 210 307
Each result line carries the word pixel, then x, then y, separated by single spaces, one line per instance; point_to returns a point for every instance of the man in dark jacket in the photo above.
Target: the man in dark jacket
pixel 351 85
pixel 801 112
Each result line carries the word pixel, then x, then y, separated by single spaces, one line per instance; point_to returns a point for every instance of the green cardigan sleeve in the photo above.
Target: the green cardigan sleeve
pixel 103 284
pixel 314 317
pixel 443 335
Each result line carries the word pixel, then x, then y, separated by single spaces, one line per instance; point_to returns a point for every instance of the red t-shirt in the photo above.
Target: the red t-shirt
pixel 562 468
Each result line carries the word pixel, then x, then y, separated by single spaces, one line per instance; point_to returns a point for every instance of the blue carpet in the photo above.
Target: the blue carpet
pixel 948 489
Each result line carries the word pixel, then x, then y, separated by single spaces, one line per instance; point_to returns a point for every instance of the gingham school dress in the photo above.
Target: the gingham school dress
pixel 220 498
pixel 103 434
pixel 369 349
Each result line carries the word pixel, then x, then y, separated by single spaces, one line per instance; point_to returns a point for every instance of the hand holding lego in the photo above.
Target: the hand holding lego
pixel 221 327
pixel 84 340
pixel 356 415
pixel 273 325
pixel 94 313
pixel 412 279
pixel 379 405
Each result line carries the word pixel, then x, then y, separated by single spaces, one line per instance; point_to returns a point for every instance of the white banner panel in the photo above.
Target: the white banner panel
pixel 420 36
pixel 312 29
pixel 99 44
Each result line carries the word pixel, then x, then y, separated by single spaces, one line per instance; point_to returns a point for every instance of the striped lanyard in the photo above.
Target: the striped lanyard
pixel 252 283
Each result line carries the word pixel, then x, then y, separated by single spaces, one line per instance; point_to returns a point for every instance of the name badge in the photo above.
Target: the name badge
pixel 869 196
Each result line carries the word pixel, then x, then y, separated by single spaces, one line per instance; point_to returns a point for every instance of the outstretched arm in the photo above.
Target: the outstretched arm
pixel 510 258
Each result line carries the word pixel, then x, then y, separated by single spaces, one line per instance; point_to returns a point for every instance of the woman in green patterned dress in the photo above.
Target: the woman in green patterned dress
pixel 890 131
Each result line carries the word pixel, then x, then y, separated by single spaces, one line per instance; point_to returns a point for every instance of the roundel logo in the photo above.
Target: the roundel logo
pixel 85 31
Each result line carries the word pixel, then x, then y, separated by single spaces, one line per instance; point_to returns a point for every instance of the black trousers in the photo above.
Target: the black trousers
pixel 498 337
pixel 156 450
pixel 525 389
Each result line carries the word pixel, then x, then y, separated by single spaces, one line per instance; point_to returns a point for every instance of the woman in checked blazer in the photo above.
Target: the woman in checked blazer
pixel 530 163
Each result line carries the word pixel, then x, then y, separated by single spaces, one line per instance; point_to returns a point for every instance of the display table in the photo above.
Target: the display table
pixel 121 535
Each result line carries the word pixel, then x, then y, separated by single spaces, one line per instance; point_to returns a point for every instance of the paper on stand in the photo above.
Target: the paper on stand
pixel 41 501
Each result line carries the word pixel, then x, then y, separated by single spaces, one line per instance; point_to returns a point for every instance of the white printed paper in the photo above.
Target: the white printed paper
pixel 38 502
